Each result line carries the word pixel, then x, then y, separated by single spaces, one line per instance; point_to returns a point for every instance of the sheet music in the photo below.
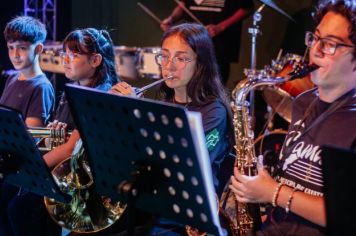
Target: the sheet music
pixel 197 131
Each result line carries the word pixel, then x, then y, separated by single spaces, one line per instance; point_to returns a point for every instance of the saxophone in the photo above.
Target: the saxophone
pixel 244 219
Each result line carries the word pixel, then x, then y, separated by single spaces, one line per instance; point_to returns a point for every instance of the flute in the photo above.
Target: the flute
pixel 139 91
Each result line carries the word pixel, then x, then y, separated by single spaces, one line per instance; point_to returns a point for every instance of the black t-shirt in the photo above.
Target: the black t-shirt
pixel 63 113
pixel 300 164
pixel 214 119
pixel 32 97
pixel 227 43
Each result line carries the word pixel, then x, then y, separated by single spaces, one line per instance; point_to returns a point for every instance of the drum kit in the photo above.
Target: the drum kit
pixel 50 59
pixel 278 97
pixel 132 63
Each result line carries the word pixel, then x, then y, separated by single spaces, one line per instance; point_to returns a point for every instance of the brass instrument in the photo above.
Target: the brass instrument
pixel 245 217
pixel 87 212
pixel 246 162
pixel 52 137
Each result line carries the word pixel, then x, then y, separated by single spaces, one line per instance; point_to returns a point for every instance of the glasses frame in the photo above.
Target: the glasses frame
pixel 172 60
pixel 323 41
pixel 72 55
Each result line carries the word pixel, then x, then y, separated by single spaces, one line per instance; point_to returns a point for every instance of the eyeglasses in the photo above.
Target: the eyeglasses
pixel 327 46
pixel 70 56
pixel 178 61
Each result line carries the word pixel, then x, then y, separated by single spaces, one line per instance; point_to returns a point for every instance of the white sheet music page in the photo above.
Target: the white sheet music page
pixel 197 131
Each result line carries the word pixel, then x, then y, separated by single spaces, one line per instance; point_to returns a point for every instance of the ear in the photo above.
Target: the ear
pixel 39 48
pixel 95 60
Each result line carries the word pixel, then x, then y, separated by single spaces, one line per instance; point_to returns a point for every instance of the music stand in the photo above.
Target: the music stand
pixel 145 150
pixel 16 144
pixel 339 188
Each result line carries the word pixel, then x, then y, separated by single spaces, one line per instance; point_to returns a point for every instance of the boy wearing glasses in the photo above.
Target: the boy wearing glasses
pixel 321 116
pixel 27 90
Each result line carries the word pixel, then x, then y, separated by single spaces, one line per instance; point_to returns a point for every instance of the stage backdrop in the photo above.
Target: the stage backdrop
pixel 133 27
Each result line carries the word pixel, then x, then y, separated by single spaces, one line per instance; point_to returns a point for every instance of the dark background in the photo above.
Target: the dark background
pixel 130 26
pixel 133 27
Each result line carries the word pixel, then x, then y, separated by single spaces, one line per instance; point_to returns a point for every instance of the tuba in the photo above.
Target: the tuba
pixel 245 218
pixel 87 212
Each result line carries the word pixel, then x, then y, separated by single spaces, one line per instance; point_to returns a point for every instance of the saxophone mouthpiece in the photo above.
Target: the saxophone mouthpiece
pixel 302 71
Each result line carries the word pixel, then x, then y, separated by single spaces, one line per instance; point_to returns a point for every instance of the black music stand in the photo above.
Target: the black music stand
pixel 144 150
pixel 339 189
pixel 16 145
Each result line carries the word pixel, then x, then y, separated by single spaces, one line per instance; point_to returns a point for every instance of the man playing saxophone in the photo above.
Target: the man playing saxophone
pixel 295 194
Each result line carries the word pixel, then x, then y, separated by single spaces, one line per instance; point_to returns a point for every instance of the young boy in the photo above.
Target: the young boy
pixel 27 90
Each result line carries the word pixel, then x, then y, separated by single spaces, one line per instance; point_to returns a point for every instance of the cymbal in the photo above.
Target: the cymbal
pixel 272 5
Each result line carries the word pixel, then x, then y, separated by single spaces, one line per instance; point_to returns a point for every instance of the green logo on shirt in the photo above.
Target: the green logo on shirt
pixel 212 139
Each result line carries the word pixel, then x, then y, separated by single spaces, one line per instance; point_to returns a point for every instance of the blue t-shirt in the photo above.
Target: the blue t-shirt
pixel 32 97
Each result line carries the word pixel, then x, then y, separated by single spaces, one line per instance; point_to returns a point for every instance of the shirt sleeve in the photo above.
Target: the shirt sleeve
pixel 42 102
pixel 215 129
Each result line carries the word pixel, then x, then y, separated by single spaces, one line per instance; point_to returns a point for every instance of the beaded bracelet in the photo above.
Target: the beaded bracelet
pixel 275 195
pixel 290 201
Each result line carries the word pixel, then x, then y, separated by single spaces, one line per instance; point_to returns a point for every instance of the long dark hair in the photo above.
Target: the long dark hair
pixel 89 41
pixel 205 85
pixel 346 8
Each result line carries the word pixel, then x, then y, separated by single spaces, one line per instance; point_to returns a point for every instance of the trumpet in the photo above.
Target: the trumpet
pixel 50 136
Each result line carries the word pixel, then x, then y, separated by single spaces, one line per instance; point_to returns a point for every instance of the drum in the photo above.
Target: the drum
pixel 50 59
pixel 148 68
pixel 126 60
pixel 270 145
pixel 280 98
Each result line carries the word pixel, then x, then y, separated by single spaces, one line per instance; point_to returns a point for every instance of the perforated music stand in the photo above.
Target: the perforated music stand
pixel 339 189
pixel 148 148
pixel 32 173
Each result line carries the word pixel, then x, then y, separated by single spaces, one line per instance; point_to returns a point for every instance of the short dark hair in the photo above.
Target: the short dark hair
pixel 91 40
pixel 25 28
pixel 346 8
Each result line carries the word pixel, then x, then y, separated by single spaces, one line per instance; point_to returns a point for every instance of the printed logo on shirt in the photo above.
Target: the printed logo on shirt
pixel 198 2
pixel 212 139
pixel 303 162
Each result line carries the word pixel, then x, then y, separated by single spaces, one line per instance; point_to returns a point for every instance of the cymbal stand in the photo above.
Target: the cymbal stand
pixel 254 31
